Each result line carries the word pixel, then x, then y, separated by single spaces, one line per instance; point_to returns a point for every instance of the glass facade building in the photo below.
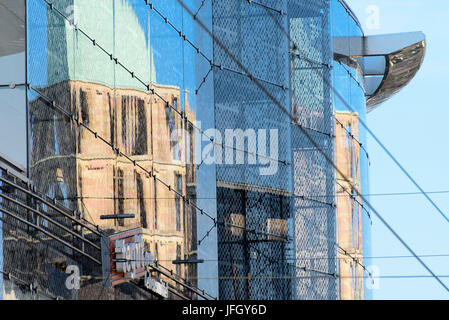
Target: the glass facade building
pixel 351 156
pixel 215 124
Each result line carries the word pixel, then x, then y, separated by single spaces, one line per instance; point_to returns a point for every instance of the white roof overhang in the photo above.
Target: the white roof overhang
pixel 388 62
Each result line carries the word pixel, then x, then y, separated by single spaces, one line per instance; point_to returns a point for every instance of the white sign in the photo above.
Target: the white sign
pixel 131 256
pixel 160 288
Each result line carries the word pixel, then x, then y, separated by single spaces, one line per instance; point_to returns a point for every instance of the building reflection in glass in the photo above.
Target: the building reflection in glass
pixel 73 165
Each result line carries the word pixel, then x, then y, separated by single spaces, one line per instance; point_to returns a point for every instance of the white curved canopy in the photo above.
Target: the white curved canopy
pixel 388 62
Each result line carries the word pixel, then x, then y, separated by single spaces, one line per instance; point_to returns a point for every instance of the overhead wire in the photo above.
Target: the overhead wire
pixel 387 194
pixel 351 195
pixel 334 243
pixel 352 137
pixel 31 286
pixel 294 120
pixel 97 230
pixel 153 91
pixel 74 118
pixel 281 12
pixel 392 257
pixel 341 98
pixel 250 277
pixel 252 78
pixel 51 103
pixel 326 81
pixel 197 49
pixel 116 61
pixel 203 2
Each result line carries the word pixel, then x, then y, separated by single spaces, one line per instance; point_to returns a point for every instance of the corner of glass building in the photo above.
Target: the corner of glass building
pixel 367 70
pixel 208 151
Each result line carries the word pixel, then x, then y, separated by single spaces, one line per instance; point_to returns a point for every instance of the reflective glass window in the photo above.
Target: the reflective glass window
pixel 13 118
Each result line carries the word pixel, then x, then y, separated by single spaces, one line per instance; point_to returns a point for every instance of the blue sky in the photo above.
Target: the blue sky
pixel 413 126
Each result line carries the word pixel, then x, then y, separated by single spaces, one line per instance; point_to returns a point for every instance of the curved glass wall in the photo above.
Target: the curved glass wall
pixel 133 109
pixel 254 190
pixel 313 176
pixel 116 112
pixel 352 155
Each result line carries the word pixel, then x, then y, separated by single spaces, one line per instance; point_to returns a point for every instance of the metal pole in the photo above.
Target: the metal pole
pixel 27 116
pixel 50 235
pixel 50 205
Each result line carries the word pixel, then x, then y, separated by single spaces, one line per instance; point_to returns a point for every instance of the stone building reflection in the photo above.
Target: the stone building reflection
pixel 349 205
pixel 75 167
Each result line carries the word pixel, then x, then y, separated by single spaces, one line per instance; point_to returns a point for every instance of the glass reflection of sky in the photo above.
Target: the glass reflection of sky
pixel 37 43
pixel 173 58
pixel 141 11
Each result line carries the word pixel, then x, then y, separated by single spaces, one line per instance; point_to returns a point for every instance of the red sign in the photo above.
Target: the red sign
pixel 124 257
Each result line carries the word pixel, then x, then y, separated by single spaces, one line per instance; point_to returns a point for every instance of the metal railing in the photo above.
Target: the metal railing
pixel 20 202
